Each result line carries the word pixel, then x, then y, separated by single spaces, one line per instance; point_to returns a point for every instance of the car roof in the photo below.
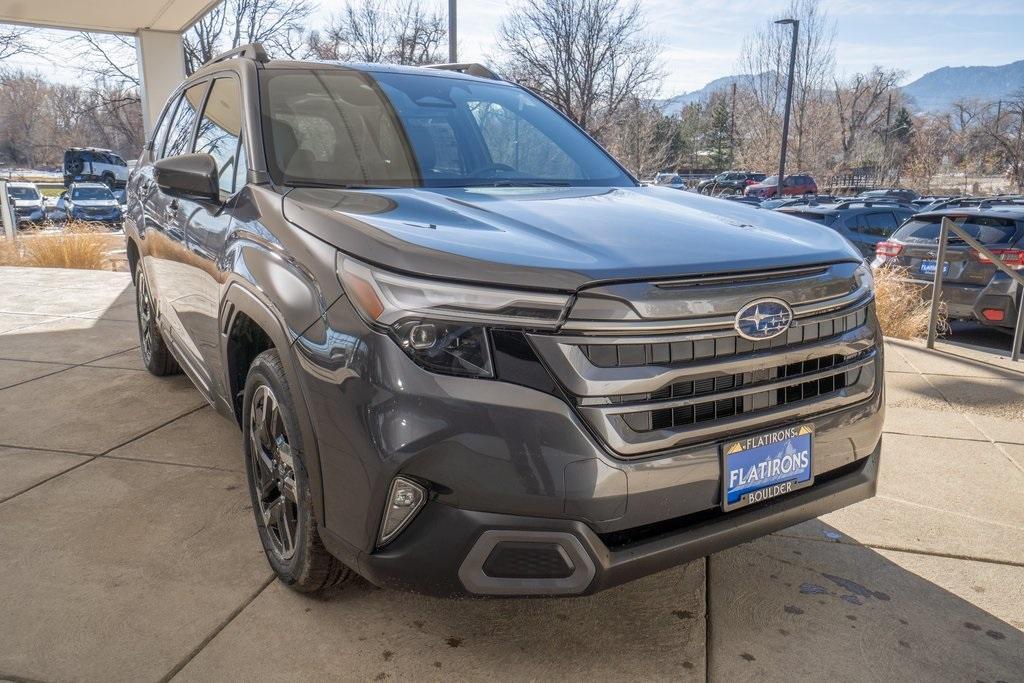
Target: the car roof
pixel 90 185
pixel 1012 211
pixel 88 149
pixel 20 183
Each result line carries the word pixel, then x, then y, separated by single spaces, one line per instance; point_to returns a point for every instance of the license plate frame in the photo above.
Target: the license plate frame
pixel 745 455
pixel 929 266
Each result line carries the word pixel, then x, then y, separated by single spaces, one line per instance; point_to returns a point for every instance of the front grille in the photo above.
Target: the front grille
pixel 663 384
pixel 706 411
pixel 677 352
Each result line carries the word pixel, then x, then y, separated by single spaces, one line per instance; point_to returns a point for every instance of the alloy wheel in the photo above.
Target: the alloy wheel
pixel 273 472
pixel 145 310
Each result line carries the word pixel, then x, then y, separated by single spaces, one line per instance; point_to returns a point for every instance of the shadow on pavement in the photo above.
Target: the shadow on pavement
pixel 832 609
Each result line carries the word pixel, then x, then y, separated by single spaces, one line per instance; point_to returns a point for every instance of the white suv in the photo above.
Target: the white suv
pixel 93 164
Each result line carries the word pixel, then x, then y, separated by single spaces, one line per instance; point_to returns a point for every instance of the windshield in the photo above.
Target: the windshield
pixel 22 192
pixel 333 127
pixel 771 180
pixel 80 193
pixel 985 229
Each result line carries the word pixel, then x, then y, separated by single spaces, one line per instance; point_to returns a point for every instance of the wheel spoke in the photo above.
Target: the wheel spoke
pixel 273 473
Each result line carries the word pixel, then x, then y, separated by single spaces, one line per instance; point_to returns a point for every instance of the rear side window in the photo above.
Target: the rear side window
pixel 878 223
pixel 220 130
pixel 985 229
pixel 823 218
pixel 179 139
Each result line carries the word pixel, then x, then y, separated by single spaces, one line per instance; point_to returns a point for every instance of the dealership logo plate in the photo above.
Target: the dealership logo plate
pixel 765 466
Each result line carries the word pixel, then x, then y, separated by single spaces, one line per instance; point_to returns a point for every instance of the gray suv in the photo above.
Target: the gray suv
pixel 469 354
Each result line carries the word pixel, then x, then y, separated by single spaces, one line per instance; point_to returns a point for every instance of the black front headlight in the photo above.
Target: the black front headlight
pixel 443 326
pixel 446 347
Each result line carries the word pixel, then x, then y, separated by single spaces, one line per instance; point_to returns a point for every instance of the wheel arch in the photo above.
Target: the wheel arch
pixel 249 325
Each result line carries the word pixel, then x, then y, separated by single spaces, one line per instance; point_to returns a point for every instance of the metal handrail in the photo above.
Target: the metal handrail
pixel 940 260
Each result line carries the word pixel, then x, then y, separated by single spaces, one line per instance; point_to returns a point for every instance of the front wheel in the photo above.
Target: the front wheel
pixel 155 355
pixel 278 484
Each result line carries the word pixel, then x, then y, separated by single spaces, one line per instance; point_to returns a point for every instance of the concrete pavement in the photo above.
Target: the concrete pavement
pixel 128 551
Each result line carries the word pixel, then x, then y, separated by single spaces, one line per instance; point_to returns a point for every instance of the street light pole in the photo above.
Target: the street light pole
pixel 795 23
pixel 453 33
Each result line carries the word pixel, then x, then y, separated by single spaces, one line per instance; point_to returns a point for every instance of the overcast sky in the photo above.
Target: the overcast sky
pixel 702 38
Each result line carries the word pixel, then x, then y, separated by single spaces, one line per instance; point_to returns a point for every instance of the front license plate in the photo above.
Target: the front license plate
pixel 763 466
pixel 929 268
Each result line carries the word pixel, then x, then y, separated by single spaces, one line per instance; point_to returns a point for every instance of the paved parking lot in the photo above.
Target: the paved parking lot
pixel 128 551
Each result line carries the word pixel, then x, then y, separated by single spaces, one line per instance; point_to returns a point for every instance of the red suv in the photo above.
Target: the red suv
pixel 793 185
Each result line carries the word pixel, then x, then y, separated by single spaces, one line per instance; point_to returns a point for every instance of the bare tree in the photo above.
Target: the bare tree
pixel 859 106
pixel 587 57
pixel 639 141
pixel 382 31
pixel 765 61
pixel 928 149
pixel 279 25
pixel 14 40
pixel 1004 129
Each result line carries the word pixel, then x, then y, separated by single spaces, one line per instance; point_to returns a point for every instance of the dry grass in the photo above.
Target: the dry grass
pixel 903 311
pixel 78 245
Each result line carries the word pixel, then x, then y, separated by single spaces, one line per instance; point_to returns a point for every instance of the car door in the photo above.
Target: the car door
pixel 872 227
pixel 208 223
pixel 166 254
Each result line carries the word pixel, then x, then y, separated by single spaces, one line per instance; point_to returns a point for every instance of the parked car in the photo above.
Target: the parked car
pixel 793 185
pixel 670 180
pixel 890 193
pixel 91 164
pixel 802 200
pixel 729 182
pixel 28 203
pixel 972 288
pixel 864 223
pixel 93 202
pixel 463 344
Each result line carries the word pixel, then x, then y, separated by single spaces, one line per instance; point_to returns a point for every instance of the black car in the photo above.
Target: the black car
pixel 864 223
pixel 972 288
pixel 469 353
pixel 729 182
pixel 897 193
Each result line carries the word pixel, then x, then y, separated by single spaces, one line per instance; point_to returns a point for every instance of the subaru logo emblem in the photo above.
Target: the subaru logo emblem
pixel 764 319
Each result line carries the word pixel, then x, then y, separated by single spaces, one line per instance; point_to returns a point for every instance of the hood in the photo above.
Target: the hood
pixel 28 202
pixel 559 238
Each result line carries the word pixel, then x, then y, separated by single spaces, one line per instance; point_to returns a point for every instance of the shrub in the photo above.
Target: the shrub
pixel 78 245
pixel 903 311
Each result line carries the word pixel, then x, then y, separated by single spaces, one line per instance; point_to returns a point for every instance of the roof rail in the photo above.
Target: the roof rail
pixel 251 51
pixel 468 68
pixel 882 201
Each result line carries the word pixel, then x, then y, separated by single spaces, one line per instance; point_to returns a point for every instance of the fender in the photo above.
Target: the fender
pixel 240 298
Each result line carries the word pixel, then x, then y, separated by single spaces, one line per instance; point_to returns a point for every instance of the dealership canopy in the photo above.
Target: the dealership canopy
pixel 156 24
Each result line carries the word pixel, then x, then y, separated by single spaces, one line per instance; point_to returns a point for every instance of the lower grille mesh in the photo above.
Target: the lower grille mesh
pixel 681 416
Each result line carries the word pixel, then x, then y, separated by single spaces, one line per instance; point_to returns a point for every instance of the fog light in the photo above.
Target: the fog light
pixel 404 500
pixel 993 314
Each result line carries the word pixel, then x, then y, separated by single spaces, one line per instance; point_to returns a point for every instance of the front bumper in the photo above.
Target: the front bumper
pixel 438 555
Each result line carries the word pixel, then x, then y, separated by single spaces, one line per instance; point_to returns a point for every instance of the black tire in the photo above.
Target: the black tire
pixel 278 484
pixel 155 355
pixel 109 181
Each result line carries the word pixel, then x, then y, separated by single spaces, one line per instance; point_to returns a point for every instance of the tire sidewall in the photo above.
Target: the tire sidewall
pixel 267 370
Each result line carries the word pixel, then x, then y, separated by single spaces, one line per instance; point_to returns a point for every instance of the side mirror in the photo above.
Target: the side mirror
pixel 188 175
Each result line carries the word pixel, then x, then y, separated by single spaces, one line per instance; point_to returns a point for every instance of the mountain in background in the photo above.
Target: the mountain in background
pixel 937 90
pixel 673 105
pixel 934 92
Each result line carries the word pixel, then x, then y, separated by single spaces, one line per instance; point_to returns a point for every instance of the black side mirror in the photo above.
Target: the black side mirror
pixel 188 175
